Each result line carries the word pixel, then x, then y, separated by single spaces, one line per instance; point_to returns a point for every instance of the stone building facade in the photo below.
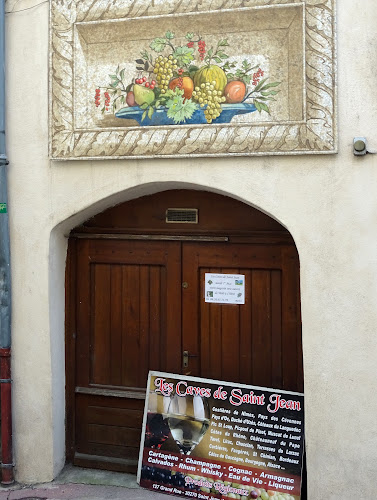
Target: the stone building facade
pixel 326 200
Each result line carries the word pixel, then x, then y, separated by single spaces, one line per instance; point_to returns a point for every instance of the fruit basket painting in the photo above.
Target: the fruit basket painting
pixel 185 81
pixel 189 78
pixel 213 68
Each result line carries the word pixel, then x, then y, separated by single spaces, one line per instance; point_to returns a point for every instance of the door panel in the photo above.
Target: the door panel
pixel 108 431
pixel 243 343
pixel 129 321
pixel 291 348
pixel 122 323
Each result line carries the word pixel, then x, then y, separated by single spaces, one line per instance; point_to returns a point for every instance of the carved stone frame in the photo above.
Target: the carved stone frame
pixel 315 134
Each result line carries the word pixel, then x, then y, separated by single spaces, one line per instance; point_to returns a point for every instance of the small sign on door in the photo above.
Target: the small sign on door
pixel 224 288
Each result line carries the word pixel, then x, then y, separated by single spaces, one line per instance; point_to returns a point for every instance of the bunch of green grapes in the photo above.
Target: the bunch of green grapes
pixel 206 94
pixel 163 69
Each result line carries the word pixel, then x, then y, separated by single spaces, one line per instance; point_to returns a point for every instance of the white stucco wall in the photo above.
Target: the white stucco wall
pixel 329 203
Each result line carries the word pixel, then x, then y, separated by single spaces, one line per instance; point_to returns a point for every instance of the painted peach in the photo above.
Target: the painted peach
pixel 130 99
pixel 235 91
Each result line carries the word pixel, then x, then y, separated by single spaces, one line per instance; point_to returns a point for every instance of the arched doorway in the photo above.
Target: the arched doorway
pixel 135 302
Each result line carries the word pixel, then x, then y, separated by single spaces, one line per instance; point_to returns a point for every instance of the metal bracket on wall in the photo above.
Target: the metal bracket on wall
pixel 4 159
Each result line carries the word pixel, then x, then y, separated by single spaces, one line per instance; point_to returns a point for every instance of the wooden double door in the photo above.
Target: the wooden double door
pixel 140 304
pixel 135 302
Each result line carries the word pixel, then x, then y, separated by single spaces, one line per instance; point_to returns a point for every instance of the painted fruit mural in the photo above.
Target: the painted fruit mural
pixel 186 84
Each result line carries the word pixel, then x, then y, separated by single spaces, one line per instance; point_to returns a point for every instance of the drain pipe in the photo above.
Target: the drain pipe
pixel 5 294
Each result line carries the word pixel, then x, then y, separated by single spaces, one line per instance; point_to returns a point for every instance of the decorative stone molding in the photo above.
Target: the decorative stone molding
pixel 294 40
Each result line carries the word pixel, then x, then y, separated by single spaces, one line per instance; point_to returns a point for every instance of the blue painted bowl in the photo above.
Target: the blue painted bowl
pixel 160 117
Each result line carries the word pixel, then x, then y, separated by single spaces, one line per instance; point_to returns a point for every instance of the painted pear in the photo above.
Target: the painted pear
pixel 143 95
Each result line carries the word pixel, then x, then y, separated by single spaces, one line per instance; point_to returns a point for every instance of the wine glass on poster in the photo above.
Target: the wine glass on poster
pixel 188 419
pixel 157 428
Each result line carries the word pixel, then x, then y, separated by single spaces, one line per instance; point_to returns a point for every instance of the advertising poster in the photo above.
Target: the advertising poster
pixel 207 439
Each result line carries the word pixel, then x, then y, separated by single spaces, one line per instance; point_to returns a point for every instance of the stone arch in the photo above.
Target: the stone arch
pixel 58 245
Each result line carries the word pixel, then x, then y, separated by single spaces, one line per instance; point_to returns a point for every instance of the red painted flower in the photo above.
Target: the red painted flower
pixel 202 49
pixel 107 100
pixel 97 97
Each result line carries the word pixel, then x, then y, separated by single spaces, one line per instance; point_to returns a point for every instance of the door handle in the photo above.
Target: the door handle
pixel 185 358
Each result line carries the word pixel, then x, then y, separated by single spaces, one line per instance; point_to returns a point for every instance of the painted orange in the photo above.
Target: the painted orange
pixel 235 91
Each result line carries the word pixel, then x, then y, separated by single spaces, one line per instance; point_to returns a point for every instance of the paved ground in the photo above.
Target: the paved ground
pixel 83 484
